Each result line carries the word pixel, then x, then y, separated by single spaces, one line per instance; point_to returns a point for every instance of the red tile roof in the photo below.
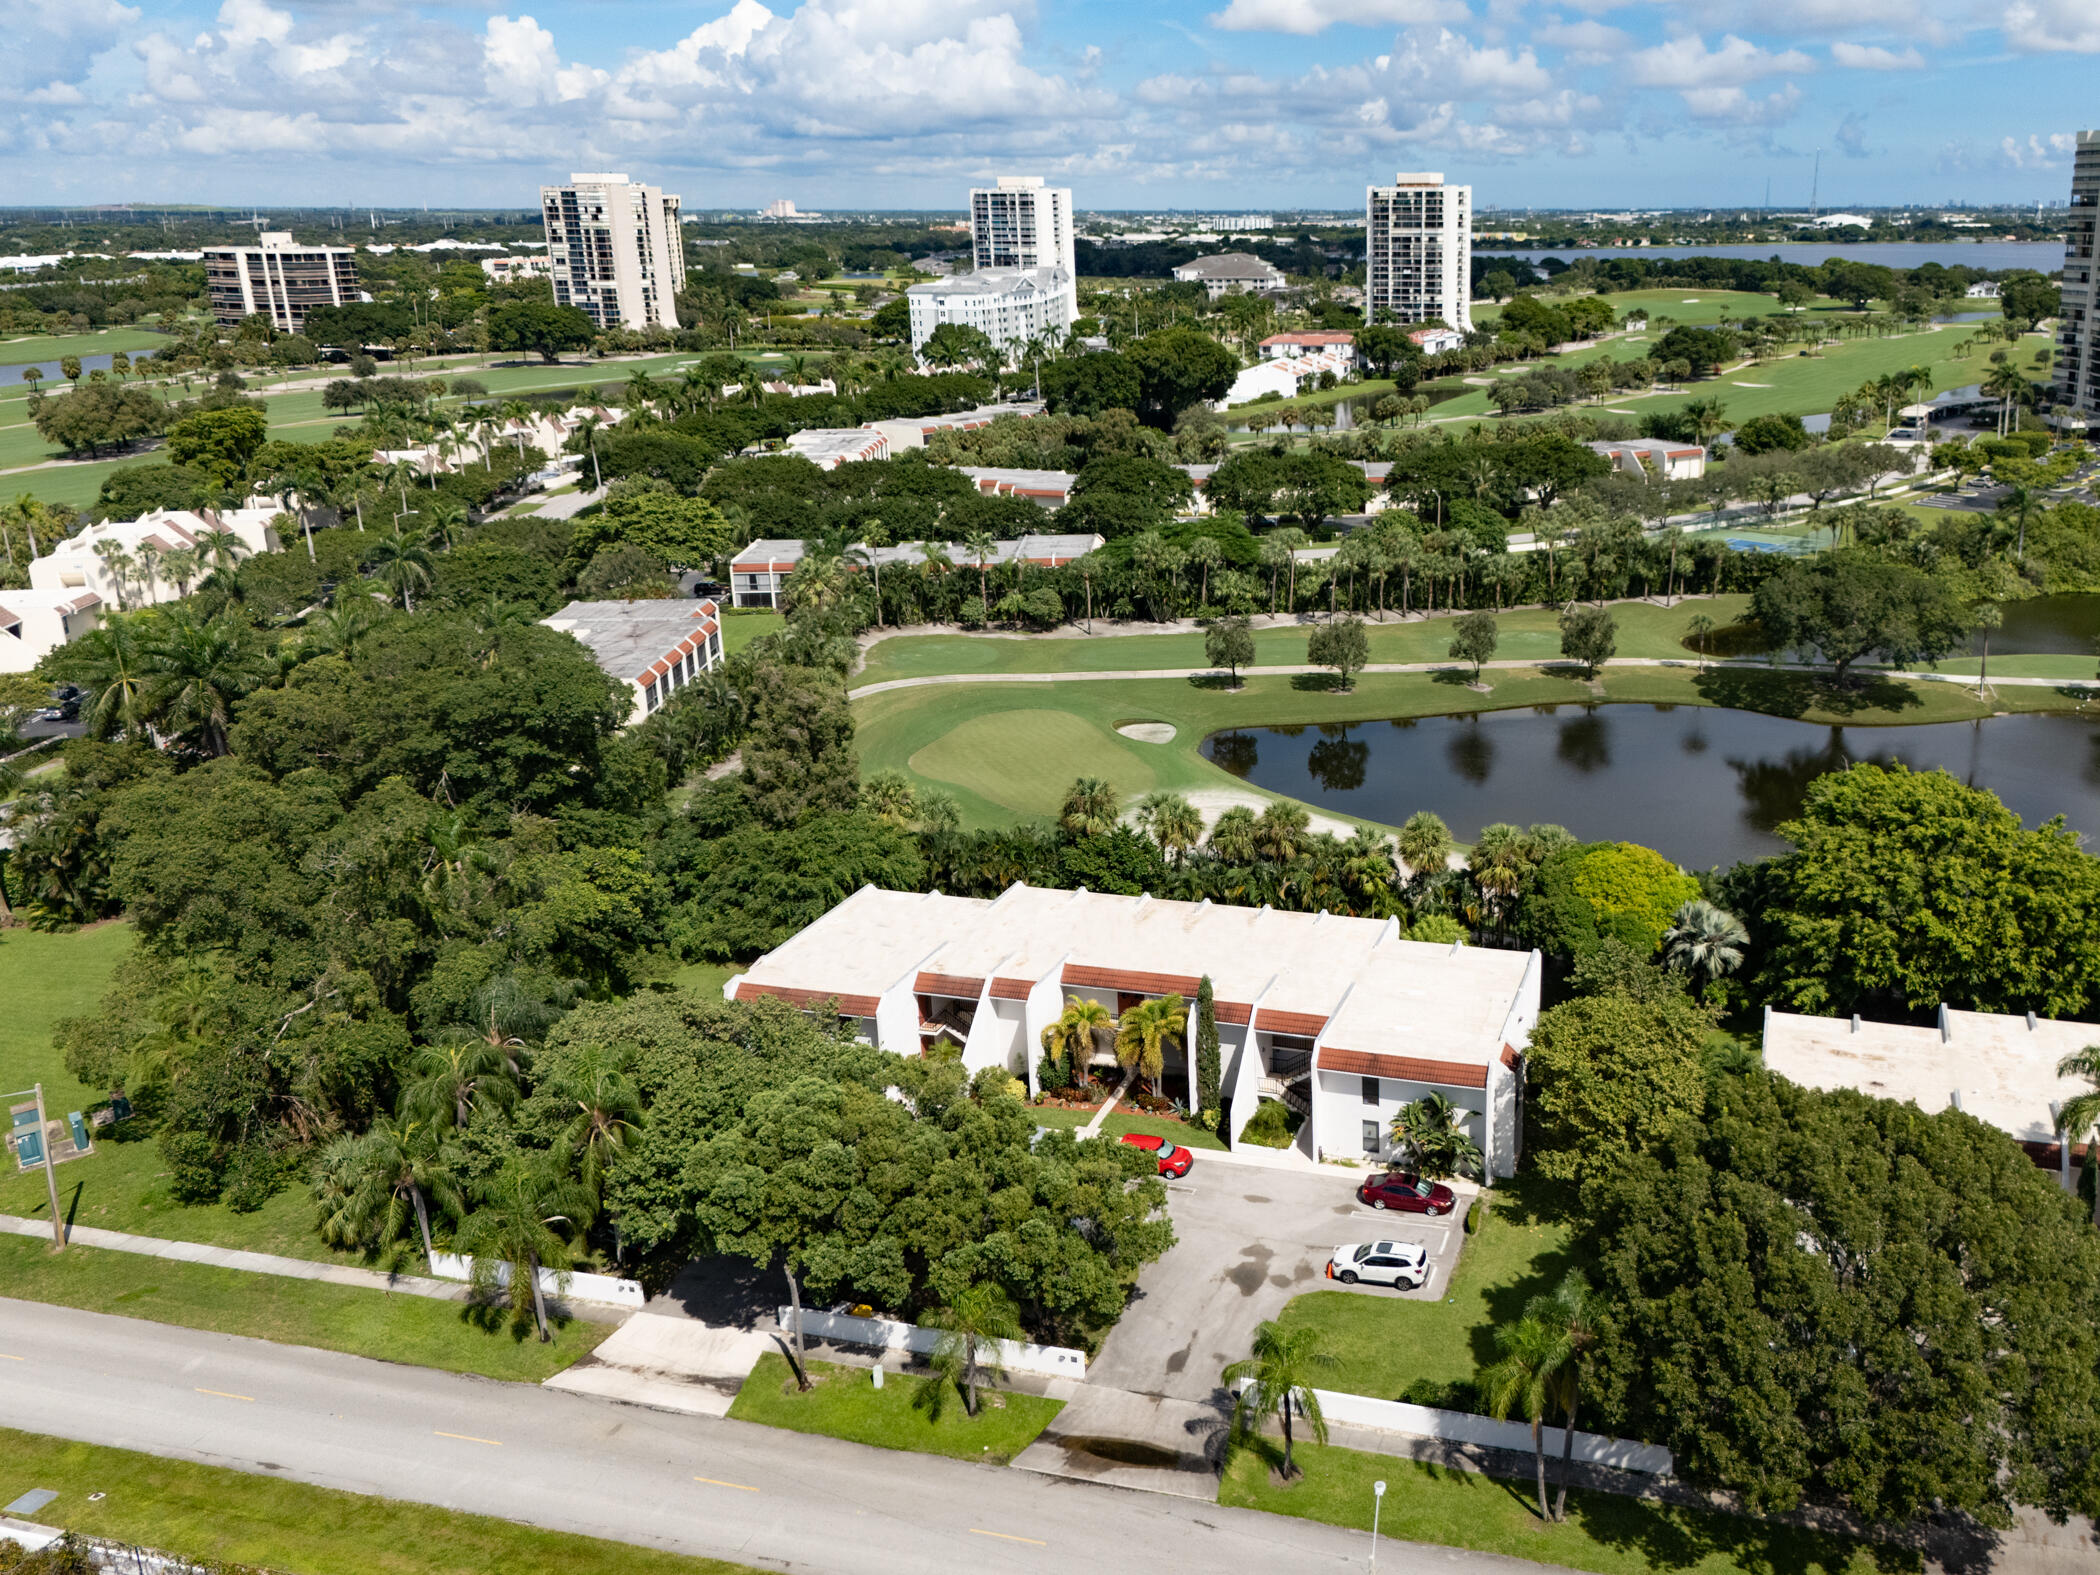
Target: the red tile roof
pixel 848 1005
pixel 1011 989
pixel 1404 1068
pixel 948 984
pixel 1271 1021
pixel 1134 982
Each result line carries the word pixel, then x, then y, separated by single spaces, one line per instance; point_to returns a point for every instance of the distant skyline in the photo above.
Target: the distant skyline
pixel 1219 104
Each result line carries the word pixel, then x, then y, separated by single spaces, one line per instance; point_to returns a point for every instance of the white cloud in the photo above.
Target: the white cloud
pixel 1687 63
pixel 1586 42
pixel 2038 153
pixel 1731 106
pixel 54 41
pixel 2050 26
pixel 1446 62
pixel 1871 57
pixel 243 23
pixel 1316 16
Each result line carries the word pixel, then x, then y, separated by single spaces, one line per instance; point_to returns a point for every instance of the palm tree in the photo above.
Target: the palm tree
pixel 518 1223
pixel 1232 838
pixel 1278 1377
pixel 867 554
pixel 449 1083
pixel 2007 385
pixel 1570 1312
pixel 586 433
pixel 1172 822
pixel 1205 553
pixel 1522 1380
pixel 402 564
pixel 394 1171
pixel 109 664
pixel 195 670
pixel 1090 808
pixel 980 546
pixel 1704 940
pixel 1699 627
pixel 1425 844
pixel 1144 1032
pixel 1282 834
pixel 888 795
pixel 1072 1038
pixel 222 550
pixel 1501 860
pixel 443 521
pixel 2079 1116
pixel 974 1323
pixel 1429 1135
pixel 608 1114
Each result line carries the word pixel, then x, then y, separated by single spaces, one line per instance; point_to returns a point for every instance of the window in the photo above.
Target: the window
pixel 1371 1137
pixel 1370 1090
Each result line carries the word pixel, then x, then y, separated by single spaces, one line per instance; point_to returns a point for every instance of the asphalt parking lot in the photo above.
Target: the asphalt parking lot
pixel 1248 1241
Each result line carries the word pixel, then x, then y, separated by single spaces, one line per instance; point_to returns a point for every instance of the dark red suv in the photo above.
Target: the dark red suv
pixel 1404 1190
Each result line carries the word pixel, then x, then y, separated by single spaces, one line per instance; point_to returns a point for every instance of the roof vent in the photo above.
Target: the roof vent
pixel 2030 1020
pixel 1946 1025
pixel 1955 1099
pixel 1855 1022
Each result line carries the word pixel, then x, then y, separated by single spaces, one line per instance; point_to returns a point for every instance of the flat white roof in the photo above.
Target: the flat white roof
pixel 1998 1068
pixel 632 640
pixel 1383 995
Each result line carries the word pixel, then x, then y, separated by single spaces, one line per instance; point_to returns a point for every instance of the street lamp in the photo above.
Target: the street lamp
pixel 1377 1503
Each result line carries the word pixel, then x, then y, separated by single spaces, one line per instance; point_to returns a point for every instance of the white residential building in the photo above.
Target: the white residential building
pixel 1995 1066
pixel 2078 331
pixel 1021 223
pixel 503 268
pixel 1009 306
pixel 35 623
pixel 906 432
pixel 1653 458
pixel 759 572
pixel 279 279
pixel 1231 273
pixel 1341 1017
pixel 1286 375
pixel 655 648
pixel 830 447
pixel 1418 258
pixel 1285 347
pixel 616 250
pixel 124 561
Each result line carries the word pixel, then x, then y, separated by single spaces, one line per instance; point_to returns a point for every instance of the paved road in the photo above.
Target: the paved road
pixel 573 1463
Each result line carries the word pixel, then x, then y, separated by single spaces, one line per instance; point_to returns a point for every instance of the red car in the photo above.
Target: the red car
pixel 1174 1160
pixel 1403 1190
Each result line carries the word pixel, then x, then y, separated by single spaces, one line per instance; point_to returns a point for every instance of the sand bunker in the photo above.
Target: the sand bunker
pixel 1148 732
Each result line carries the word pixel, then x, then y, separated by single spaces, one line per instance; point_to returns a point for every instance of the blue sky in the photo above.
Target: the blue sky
pixel 905 103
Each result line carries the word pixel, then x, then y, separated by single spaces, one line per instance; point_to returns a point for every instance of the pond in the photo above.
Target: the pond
pixel 2048 626
pixel 1701 785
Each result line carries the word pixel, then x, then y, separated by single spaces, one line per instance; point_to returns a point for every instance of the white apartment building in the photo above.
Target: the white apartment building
pixel 1231 273
pixel 1418 257
pixel 502 268
pixel 1010 306
pixel 1341 1017
pixel 278 279
pixel 35 623
pixel 1021 223
pixel 2079 331
pixel 124 562
pixel 655 648
pixel 616 250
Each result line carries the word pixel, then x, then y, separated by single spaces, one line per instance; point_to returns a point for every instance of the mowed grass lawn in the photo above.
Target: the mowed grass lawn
pixel 843 1402
pixel 1009 751
pixel 1120 1121
pixel 1519 1251
pixel 1605 1533
pixel 210 1513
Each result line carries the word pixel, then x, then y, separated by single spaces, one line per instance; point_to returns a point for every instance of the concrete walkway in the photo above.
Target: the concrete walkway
pixel 271 1263
pixel 1149 1442
pixel 1959 680
pixel 669 1364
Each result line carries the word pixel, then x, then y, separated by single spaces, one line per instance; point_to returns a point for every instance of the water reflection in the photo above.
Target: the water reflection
pixel 1704 786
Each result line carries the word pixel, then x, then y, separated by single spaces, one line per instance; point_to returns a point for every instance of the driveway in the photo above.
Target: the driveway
pixel 1248 1241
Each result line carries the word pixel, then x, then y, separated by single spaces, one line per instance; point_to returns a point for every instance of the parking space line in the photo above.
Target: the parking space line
pixel 1034 1542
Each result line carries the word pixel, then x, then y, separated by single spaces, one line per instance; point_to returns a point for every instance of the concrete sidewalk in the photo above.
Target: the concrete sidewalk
pixel 668 1364
pixel 271 1263
pixel 1148 1442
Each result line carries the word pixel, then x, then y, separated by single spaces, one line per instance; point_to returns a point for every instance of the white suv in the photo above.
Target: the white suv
pixel 1380 1263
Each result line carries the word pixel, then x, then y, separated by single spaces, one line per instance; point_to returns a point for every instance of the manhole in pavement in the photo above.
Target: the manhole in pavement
pixel 1122 1452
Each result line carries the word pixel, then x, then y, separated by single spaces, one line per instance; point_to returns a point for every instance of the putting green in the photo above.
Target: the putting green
pixel 1025 759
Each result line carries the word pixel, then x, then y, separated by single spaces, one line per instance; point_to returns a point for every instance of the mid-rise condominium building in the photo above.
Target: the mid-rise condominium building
pixel 617 250
pixel 1021 223
pixel 1418 251
pixel 279 279
pixel 1010 306
pixel 2079 337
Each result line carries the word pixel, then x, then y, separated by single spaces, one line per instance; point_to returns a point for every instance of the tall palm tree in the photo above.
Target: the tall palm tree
pixel 449 1083
pixel 2008 385
pixel 1283 833
pixel 395 1171
pixel 1279 1382
pixel 1570 1311
pixel 1172 822
pixel 1425 844
pixel 973 1324
pixel 1090 808
pixel 1704 940
pixel 2079 1116
pixel 1072 1038
pixel 1521 1379
pixel 867 554
pixel 195 670
pixel 522 1220
pixel 981 547
pixel 403 565
pixel 1232 838
pixel 222 551
pixel 109 664
pixel 608 1113
pixel 444 521
pixel 1144 1032
pixel 1205 554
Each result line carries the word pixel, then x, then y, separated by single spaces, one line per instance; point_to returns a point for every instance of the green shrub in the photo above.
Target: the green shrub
pixel 1473 1216
pixel 1272 1125
pixel 1438 929
pixel 1588 891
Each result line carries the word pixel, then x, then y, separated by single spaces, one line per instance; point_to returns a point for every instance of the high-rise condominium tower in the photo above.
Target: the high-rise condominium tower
pixel 278 279
pixel 617 251
pixel 2078 341
pixel 1418 260
pixel 1021 223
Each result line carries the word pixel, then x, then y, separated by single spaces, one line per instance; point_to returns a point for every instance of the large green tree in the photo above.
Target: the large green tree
pixel 539 327
pixel 1609 1075
pixel 1850 604
pixel 1179 367
pixel 219 443
pixel 682 532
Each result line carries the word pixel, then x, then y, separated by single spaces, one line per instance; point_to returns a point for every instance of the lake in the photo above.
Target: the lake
pixel 2041 256
pixel 1701 785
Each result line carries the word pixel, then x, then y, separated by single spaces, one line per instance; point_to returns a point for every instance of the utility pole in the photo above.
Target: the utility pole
pixel 43 1137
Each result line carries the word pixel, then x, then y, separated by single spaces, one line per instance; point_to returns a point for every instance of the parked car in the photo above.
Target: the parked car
pixel 1407 1192
pixel 1174 1159
pixel 1380 1263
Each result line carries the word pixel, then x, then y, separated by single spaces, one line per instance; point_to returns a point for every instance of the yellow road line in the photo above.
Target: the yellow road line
pixel 224 1395
pixel 741 1487
pixel 465 1437
pixel 1004 1537
pixel 4 1357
